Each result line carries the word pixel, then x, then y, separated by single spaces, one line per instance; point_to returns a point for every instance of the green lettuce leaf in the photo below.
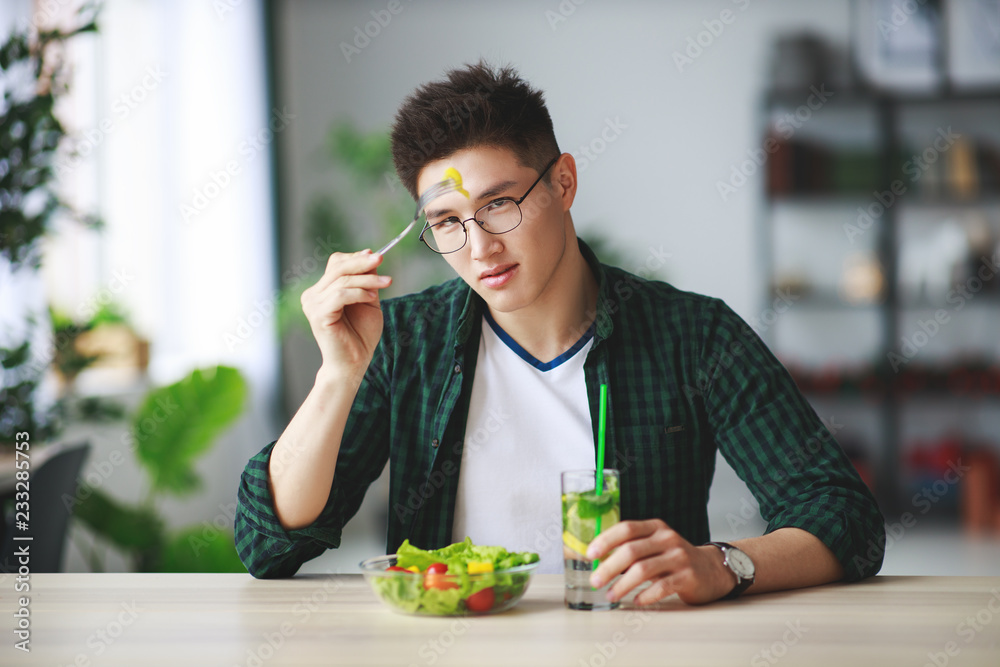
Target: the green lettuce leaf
pixel 402 592
pixel 409 594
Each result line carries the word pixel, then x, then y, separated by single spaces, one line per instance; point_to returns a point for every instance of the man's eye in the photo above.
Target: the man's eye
pixel 447 223
pixel 497 204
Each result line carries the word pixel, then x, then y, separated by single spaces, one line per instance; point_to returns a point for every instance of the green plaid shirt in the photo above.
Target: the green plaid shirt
pixel 686 376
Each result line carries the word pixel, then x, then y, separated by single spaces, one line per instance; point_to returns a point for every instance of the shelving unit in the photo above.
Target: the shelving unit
pixel 861 337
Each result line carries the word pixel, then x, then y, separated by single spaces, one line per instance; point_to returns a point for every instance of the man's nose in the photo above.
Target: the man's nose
pixel 482 243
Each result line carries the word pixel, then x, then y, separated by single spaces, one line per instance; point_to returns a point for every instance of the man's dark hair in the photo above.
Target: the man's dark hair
pixel 473 106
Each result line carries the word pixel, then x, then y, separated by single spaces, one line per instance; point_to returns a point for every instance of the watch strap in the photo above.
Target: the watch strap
pixel 742 583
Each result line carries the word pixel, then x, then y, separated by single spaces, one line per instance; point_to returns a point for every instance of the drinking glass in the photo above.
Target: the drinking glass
pixel 585 513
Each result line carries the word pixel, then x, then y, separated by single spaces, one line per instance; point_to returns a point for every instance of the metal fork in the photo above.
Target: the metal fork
pixel 430 194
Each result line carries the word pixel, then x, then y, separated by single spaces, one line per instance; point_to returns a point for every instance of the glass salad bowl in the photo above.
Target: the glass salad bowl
pixel 439 591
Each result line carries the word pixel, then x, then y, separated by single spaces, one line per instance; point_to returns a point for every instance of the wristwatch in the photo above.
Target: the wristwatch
pixel 739 564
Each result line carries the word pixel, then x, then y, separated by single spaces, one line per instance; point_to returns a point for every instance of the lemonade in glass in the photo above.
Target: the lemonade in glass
pixel 585 513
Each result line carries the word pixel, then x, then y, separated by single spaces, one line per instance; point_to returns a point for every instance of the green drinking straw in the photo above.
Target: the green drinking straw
pixel 602 425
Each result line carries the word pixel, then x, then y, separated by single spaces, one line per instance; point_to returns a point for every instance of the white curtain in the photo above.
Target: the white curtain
pixel 173 130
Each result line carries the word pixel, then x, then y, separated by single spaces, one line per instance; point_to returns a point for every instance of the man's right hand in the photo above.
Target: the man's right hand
pixel 346 320
pixel 344 313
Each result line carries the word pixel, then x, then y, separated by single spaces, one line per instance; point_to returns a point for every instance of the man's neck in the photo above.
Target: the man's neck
pixel 561 315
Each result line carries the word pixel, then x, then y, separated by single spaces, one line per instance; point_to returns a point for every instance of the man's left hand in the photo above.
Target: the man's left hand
pixel 652 551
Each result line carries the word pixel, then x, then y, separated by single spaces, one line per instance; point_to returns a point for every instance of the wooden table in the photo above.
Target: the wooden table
pixel 224 620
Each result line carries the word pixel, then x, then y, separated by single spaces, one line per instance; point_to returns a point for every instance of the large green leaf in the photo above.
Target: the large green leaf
pixel 176 424
pixel 201 549
pixel 132 529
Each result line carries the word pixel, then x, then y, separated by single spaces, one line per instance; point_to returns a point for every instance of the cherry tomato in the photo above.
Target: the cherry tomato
pixel 395 568
pixel 481 601
pixel 436 577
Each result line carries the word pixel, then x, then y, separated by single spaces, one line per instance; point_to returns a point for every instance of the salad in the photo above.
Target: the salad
pixel 460 578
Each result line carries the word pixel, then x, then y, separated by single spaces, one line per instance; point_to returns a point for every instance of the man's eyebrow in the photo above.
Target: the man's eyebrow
pixel 496 189
pixel 486 194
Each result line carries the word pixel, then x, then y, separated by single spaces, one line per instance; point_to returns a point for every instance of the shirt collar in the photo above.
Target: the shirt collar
pixel 604 325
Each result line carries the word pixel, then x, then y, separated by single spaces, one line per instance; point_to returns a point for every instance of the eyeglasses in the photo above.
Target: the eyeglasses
pixel 497 217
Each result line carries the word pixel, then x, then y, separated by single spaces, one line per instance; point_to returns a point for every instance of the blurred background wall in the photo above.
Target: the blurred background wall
pixel 740 141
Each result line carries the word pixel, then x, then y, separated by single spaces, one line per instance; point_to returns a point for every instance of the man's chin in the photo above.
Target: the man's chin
pixel 501 302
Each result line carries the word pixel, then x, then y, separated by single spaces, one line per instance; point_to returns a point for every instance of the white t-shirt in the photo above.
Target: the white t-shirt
pixel 528 422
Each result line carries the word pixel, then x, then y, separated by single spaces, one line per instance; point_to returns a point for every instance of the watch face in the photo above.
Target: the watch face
pixel 740 563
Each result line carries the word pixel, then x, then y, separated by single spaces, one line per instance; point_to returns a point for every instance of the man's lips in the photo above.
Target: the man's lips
pixel 498 276
pixel 496 271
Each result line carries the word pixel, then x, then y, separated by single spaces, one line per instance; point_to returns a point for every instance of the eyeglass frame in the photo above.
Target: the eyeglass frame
pixel 517 203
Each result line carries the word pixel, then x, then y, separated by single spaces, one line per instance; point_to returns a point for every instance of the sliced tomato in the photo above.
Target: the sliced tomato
pixel 436 577
pixel 481 601
pixel 394 568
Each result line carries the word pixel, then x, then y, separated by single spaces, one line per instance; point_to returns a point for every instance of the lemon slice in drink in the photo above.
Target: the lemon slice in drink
pixel 581 529
pixel 574 544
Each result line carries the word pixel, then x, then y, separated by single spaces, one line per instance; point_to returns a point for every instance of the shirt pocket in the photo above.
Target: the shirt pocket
pixel 660 477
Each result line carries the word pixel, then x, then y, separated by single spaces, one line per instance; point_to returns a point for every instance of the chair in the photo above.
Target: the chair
pixel 53 479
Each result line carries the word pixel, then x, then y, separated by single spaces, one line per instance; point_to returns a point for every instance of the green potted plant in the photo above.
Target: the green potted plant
pixel 172 428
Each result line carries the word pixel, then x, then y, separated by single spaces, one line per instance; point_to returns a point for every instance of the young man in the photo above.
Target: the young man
pixel 480 391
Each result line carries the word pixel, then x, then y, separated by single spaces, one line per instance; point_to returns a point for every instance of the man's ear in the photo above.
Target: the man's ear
pixel 564 180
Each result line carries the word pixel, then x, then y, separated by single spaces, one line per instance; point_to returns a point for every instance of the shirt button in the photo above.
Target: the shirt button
pixel 435 443
pixel 458 368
